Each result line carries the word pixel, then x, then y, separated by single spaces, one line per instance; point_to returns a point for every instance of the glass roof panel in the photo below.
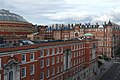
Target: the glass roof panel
pixel 5 15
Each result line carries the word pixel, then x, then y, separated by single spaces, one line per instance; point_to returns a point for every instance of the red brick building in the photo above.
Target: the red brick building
pixel 13 27
pixel 56 60
pixel 108 35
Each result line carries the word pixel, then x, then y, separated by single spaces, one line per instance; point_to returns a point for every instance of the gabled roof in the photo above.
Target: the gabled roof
pixel 10 62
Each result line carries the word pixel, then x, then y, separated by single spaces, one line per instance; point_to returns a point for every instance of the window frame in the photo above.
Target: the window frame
pixel 47 52
pixel 32 57
pixel 53 51
pixel 58 59
pixel 23 76
pixel 53 71
pixel 42 52
pixel 47 61
pixel 33 69
pixel 53 60
pixel 11 76
pixel 48 73
pixel 42 63
pixel 24 57
pixel 42 75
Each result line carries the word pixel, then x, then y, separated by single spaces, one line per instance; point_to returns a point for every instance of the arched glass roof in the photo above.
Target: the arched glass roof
pixel 5 15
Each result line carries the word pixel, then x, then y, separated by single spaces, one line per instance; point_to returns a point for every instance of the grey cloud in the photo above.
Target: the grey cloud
pixel 42 11
pixel 115 16
pixel 86 19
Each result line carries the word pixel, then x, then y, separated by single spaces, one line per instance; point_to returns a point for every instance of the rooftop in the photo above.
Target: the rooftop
pixel 5 15
pixel 88 34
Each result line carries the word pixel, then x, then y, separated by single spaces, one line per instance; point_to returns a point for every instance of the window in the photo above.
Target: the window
pixel 53 61
pixel 81 46
pixel 79 53
pixel 0 77
pixel 53 71
pixel 61 78
pixel 47 52
pixel 61 68
pixel 47 61
pixel 57 59
pixel 84 59
pixel 32 56
pixel 31 69
pixel 74 47
pixel 74 63
pixel 83 52
pixel 42 76
pixel 52 51
pixel 23 57
pixel 76 53
pixel 79 60
pixel 41 53
pixel 61 58
pixel 41 63
pixel 58 69
pixel 77 46
pixel 61 49
pixel 57 50
pixel 47 73
pixel 23 72
pixel 11 75
pixel 0 62
pixel 71 47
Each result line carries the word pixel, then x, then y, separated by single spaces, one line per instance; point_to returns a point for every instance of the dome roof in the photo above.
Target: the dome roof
pixel 5 15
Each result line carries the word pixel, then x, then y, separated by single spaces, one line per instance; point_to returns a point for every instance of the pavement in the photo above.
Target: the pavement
pixel 101 70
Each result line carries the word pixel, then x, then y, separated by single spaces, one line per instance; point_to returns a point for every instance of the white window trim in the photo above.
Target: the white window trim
pixel 48 73
pixel 53 51
pixel 33 56
pixel 43 53
pixel 58 50
pixel 48 59
pixel 43 64
pixel 58 69
pixel 61 59
pixel 61 49
pixel 25 58
pixel 53 71
pixel 53 62
pixel 61 68
pixel 58 59
pixel 48 52
pixel 0 62
pixel 43 76
pixel 25 73
pixel 33 69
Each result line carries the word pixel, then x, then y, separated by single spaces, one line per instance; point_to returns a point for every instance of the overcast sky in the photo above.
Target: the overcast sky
pixel 64 11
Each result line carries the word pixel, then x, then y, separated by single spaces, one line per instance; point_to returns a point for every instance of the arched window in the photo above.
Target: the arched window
pixel 11 75
pixel 76 34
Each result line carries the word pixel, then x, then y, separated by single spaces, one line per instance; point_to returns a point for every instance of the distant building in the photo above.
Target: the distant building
pixel 74 59
pixel 14 27
pixel 35 36
pixel 108 34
